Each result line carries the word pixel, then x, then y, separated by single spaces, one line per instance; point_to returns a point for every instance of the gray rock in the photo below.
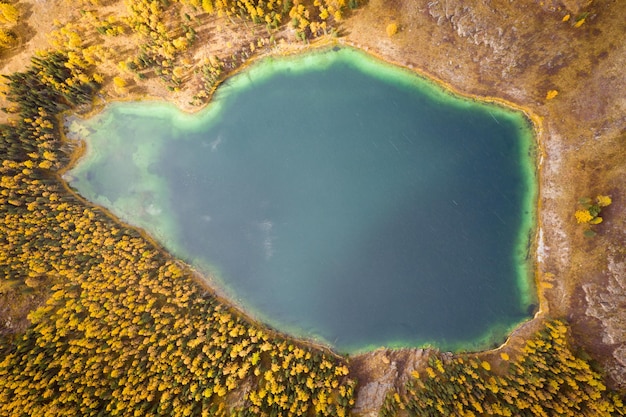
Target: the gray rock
pixel 607 303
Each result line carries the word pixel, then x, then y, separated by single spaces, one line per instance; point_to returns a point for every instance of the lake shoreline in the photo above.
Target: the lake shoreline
pixel 325 46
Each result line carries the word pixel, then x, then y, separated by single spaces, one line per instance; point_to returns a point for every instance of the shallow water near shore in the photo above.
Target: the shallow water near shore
pixel 333 197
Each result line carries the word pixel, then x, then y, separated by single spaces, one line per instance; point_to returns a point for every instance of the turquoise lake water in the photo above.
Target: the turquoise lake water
pixel 333 197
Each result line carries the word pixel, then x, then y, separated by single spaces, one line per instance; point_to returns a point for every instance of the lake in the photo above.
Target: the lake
pixel 334 197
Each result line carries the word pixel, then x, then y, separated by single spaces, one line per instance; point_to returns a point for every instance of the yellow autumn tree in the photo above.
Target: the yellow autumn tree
pixel 8 13
pixel 7 39
pixel 551 94
pixel 119 82
pixel 207 6
pixel 603 200
pixel 583 216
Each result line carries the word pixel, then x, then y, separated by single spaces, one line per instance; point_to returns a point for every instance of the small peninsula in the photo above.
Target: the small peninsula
pixel 99 318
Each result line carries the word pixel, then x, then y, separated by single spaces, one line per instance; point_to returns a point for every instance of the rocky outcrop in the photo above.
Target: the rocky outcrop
pixel 379 372
pixel 607 303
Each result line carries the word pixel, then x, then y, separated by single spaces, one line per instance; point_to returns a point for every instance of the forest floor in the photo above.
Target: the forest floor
pixel 512 52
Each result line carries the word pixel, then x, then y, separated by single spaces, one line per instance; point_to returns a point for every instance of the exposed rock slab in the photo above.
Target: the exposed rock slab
pixel 607 303
pixel 379 372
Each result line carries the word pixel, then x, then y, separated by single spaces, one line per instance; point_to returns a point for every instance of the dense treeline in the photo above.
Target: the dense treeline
pixel 60 84
pixel 545 379
pixel 126 329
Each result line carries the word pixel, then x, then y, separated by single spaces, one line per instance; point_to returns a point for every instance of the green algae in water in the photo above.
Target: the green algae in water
pixel 334 197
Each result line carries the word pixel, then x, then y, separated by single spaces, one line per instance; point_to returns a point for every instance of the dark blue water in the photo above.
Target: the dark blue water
pixel 340 201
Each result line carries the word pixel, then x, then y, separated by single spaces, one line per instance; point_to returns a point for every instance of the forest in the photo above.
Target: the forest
pixel 545 378
pixel 125 327
pixel 119 327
